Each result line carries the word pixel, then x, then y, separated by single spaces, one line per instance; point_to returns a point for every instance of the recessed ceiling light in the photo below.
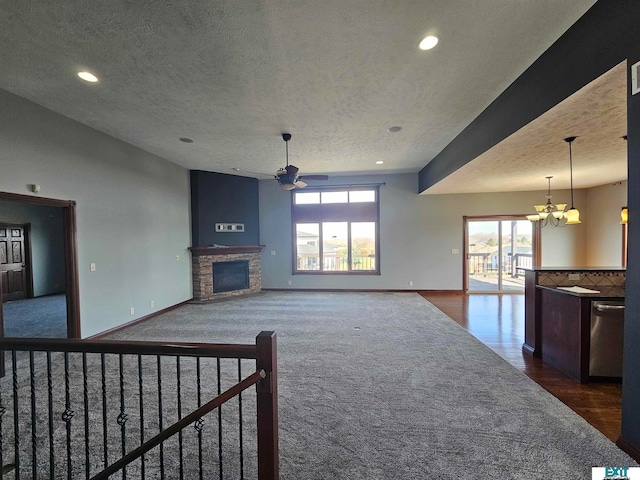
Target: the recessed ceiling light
pixel 379 162
pixel 428 42
pixel 186 140
pixel 394 129
pixel 88 77
pixel 235 169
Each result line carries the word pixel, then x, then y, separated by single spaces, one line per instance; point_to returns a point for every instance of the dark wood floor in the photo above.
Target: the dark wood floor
pixel 498 321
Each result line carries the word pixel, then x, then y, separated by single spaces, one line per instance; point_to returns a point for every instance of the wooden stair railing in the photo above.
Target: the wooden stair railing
pixel 49 382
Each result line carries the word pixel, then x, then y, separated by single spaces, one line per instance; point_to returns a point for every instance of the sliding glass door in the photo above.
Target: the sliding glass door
pixel 496 251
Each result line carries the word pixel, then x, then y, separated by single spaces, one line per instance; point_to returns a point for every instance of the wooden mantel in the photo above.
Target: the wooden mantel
pixel 198 251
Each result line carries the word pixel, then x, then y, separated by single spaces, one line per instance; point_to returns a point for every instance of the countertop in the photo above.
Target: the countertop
pixel 576 269
pixel 605 292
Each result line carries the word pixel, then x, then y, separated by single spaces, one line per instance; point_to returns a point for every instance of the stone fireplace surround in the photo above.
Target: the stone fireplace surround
pixel 202 259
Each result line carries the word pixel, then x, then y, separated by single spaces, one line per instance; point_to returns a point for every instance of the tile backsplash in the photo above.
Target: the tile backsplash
pixel 587 279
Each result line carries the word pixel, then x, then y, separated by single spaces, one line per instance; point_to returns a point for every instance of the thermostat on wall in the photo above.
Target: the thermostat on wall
pixel 229 227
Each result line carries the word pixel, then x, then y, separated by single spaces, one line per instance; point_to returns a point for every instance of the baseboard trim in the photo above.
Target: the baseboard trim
pixel 629 449
pixel 373 290
pixel 101 335
pixel 441 292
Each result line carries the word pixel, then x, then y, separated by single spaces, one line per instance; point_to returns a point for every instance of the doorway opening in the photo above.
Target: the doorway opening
pixel 498 250
pixel 17 284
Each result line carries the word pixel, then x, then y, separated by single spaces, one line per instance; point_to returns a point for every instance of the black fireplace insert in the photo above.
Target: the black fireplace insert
pixel 230 276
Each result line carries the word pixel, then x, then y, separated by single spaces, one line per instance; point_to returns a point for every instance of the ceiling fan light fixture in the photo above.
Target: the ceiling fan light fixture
pixel 287 177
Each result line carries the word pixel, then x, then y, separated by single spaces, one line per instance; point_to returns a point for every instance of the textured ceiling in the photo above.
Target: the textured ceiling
pixel 596 114
pixel 233 75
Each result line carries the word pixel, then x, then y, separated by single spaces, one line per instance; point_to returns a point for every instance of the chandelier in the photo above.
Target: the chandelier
pixel 555 214
pixel 550 213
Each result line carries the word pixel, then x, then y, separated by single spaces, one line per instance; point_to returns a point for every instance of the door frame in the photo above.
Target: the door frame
pixel 536 247
pixel 70 256
pixel 28 286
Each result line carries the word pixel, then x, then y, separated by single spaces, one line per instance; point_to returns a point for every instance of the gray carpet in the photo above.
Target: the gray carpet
pixel 385 386
pixel 40 317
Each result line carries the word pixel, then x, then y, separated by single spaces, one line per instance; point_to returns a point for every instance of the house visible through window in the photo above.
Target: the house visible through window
pixel 336 230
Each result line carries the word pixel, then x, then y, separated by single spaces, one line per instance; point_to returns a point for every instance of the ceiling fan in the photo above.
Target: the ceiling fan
pixel 288 177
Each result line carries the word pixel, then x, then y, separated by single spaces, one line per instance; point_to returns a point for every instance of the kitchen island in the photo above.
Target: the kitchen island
pixel 558 321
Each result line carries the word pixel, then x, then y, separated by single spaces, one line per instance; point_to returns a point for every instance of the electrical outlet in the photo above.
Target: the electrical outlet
pixel 273 252
pixel 454 251
pixel 411 283
pixel 92 267
pixel 133 311
pixel 289 282
pixel 177 258
pixel 153 304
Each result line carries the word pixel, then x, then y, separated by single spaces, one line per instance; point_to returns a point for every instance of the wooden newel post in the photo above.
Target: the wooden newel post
pixel 267 408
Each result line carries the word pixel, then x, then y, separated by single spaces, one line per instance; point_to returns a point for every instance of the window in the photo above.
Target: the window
pixel 336 231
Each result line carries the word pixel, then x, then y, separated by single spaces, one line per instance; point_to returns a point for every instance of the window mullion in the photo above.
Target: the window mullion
pixel 321 247
pixel 349 246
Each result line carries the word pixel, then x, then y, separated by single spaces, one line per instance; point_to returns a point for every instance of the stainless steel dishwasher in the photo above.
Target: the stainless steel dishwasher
pixel 607 325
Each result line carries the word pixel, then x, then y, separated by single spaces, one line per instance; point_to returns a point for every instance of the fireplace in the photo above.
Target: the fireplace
pixel 220 272
pixel 230 276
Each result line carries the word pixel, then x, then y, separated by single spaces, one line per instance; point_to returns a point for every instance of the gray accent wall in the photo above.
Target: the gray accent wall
pixel 133 213
pixel 223 198
pixel 47 243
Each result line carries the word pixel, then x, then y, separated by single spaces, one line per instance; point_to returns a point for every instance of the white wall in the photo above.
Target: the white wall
pixel 604 232
pixel 132 210
pixel 417 234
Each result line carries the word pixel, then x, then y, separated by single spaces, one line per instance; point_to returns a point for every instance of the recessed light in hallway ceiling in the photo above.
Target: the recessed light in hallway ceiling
pixel 394 129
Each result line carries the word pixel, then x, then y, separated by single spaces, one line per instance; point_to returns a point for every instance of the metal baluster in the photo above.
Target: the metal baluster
pixel 240 422
pixel 52 463
pixel 142 465
pixel 16 423
pixel 122 417
pixel 179 388
pixel 85 385
pixel 34 437
pixel 67 415
pixel 200 422
pixel 219 423
pixel 160 416
pixel 104 411
pixel 3 410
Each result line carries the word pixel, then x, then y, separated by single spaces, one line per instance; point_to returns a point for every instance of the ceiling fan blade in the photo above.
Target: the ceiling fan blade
pixel 315 177
pixel 300 184
pixel 254 173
